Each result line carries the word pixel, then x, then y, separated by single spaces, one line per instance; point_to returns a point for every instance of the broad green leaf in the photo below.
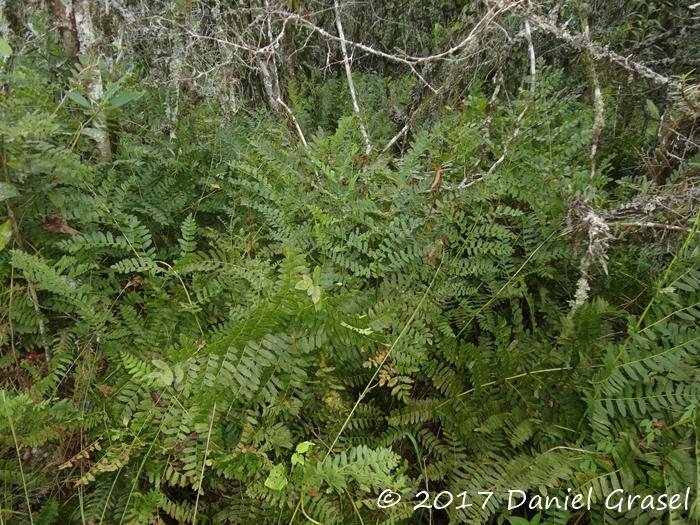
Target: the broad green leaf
pixel 304 447
pixel 5 49
pixel 111 89
pixel 653 110
pixel 7 191
pixel 276 480
pixel 123 98
pixel 315 294
pixel 79 99
pixel 298 457
pixel 5 234
pixel 305 283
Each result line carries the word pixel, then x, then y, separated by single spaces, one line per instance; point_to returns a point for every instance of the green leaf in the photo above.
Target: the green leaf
pixel 123 98
pixel 363 331
pixel 304 447
pixel 111 88
pixel 5 234
pixel 305 283
pixel 653 110
pixel 164 375
pixel 79 99
pixel 315 292
pixel 7 191
pixel 276 480
pixel 297 459
pixel 179 373
pixel 5 49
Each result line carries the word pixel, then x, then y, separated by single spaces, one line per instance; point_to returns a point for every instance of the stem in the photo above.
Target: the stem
pixel 204 464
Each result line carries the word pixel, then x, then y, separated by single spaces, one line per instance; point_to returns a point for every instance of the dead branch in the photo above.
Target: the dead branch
pixel 595 50
pixel 294 120
pixel 482 26
pixel 396 137
pixel 351 84
pixel 659 225
pixel 528 105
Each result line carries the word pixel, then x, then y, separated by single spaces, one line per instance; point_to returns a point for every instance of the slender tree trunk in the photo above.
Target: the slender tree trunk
pixel 4 24
pixel 268 69
pixel 63 14
pixel 176 68
pixel 79 39
pixel 87 42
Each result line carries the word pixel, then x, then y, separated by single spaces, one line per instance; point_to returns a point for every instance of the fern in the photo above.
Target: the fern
pixel 233 329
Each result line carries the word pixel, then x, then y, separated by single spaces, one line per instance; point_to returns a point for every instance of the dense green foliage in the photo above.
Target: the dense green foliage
pixel 224 326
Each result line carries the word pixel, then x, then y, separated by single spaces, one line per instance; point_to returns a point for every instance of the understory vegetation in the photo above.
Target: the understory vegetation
pixel 461 277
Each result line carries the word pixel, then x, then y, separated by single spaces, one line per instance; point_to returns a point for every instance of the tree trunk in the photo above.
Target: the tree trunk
pixel 87 42
pixel 63 13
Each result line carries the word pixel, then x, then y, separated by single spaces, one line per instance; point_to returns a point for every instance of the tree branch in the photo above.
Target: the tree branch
pixel 351 84
pixel 599 52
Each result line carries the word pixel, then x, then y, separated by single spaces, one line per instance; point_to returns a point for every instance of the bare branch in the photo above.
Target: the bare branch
pixel 521 116
pixel 599 52
pixel 651 225
pixel 302 138
pixel 533 60
pixel 486 21
pixel 294 121
pixel 396 137
pixel 87 41
pixel 351 84
pixel 4 23
pixel 270 74
pixel 583 218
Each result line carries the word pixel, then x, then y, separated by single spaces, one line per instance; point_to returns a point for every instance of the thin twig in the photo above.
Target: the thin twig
pixel 528 105
pixel 506 380
pixel 396 137
pixel 19 457
pixel 204 464
pixel 302 138
pixel 486 21
pixel 294 121
pixel 387 354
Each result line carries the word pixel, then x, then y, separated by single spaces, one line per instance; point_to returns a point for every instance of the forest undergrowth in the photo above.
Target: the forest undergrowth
pixel 420 310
